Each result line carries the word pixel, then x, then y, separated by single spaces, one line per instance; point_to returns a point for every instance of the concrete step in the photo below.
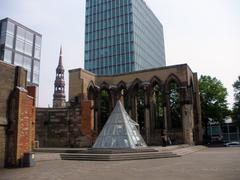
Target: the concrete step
pixel 117 157
pixel 188 150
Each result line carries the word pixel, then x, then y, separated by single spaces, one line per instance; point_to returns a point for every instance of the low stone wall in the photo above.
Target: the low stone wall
pixel 60 127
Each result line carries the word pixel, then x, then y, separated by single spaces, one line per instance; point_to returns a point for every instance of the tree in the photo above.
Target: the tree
pixel 213 100
pixel 236 106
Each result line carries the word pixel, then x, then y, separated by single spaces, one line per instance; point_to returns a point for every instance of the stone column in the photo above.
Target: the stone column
pixel 98 116
pixel 165 118
pixel 113 99
pixel 134 108
pixel 152 115
pixel 198 109
pixel 187 118
pixel 167 111
pixel 146 113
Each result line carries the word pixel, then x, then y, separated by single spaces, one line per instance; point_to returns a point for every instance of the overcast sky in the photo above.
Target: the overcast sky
pixel 205 34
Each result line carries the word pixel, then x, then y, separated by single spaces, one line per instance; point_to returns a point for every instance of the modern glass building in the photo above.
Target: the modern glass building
pixel 122 36
pixel 21 46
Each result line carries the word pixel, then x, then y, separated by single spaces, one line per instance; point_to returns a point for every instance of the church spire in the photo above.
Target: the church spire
pixel 59 85
pixel 60 58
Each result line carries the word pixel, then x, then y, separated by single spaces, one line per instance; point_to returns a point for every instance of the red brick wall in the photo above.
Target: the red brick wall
pixel 32 92
pixel 88 120
pixel 26 119
pixel 22 127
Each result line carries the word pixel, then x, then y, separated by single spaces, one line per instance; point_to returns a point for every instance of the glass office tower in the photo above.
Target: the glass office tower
pixel 122 36
pixel 21 46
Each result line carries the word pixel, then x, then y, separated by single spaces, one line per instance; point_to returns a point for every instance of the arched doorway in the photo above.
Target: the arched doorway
pixel 137 103
pixel 104 108
pixel 158 107
pixel 174 109
pixel 175 105
pixel 140 106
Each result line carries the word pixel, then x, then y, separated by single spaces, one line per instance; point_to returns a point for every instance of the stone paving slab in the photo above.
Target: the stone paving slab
pixel 48 154
pixel 209 164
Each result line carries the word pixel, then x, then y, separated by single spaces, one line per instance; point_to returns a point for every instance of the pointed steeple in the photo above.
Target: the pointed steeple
pixel 60 58
pixel 59 85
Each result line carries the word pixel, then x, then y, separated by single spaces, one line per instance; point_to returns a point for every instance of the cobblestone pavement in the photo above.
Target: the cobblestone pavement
pixel 210 164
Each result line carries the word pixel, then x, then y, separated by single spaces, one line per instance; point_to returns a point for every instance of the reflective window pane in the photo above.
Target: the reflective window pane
pixel 4 27
pixel 27 64
pixel 36 78
pixel 20 45
pixel 28 49
pixel 36 67
pixel 37 52
pixel 3 33
pixel 36 70
pixel 18 60
pixel 8 56
pixel 20 33
pixel 38 41
pixel 9 41
pixel 10 28
pixel 29 37
pixel 2 39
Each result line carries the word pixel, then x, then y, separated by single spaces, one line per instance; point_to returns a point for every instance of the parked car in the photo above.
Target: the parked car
pixel 232 144
pixel 216 139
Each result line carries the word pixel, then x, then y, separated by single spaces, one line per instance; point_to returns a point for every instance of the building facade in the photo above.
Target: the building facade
pixel 162 101
pixel 21 46
pixel 121 37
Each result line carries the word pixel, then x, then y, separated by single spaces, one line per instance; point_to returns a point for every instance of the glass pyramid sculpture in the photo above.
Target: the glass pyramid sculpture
pixel 120 132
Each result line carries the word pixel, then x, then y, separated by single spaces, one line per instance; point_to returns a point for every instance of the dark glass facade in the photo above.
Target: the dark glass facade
pixel 22 47
pixel 122 36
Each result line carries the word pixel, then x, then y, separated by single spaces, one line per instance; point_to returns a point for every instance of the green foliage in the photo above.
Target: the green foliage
pixel 105 106
pixel 175 106
pixel 140 108
pixel 158 108
pixel 213 100
pixel 236 106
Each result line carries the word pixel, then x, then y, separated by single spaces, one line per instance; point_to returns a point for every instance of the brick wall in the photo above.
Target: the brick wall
pixel 87 127
pixel 32 91
pixel 59 127
pixel 7 84
pixel 65 127
pixel 21 125
pixel 26 126
pixel 17 109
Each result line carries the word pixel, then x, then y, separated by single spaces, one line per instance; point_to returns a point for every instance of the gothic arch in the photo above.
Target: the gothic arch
pixel 91 90
pixel 173 99
pixel 155 79
pixel 153 82
pixel 121 85
pixel 104 85
pixel 172 78
pixel 136 82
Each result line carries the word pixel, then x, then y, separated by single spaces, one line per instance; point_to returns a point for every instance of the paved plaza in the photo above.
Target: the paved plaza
pixel 209 164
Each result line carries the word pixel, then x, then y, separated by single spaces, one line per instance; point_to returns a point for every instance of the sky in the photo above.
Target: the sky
pixel 205 34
